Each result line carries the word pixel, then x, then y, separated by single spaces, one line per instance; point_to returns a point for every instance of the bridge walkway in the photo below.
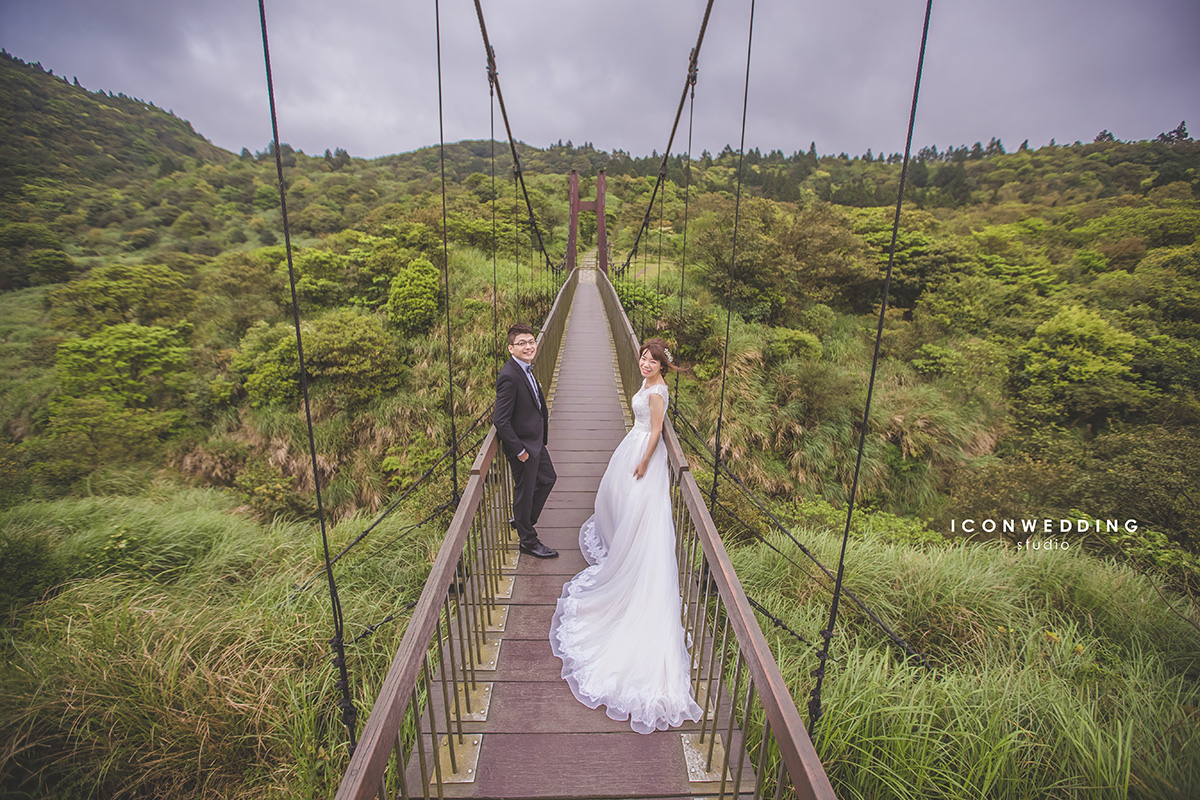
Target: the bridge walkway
pixel 538 740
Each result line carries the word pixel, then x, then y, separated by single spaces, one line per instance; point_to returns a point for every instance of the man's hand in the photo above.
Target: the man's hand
pixel 523 457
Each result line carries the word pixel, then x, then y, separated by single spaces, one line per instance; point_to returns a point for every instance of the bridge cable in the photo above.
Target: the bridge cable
pixel 346 703
pixel 737 207
pixel 693 59
pixel 430 517
pixel 814 705
pixel 896 638
pixel 662 211
pixel 495 239
pixel 437 19
pixel 760 608
pixel 517 238
pixel 687 189
pixel 512 143
pixel 645 272
pixel 396 503
pixel 662 217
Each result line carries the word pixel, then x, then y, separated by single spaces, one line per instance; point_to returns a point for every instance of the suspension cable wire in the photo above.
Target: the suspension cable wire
pixel 687 188
pixel 644 270
pixel 370 629
pixel 437 18
pixel 758 535
pixel 491 70
pixel 760 608
pixel 512 143
pixel 814 704
pixel 428 518
pixel 517 238
pixel 693 60
pixel 396 503
pixel 434 514
pixel 737 208
pixel 662 212
pixel 349 714
pixel 698 446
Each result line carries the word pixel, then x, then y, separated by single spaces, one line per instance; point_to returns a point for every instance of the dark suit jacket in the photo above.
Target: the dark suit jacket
pixel 519 422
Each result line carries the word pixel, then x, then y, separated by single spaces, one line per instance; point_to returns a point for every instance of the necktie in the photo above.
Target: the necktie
pixel 537 396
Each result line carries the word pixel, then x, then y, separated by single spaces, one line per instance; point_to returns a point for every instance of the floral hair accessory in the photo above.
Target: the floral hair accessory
pixel 670 359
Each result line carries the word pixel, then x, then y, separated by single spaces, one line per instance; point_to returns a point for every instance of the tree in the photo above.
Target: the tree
pixel 1075 369
pixel 413 300
pixel 1180 134
pixel 49 266
pixel 132 365
pixel 347 353
pixel 320 277
pixel 137 293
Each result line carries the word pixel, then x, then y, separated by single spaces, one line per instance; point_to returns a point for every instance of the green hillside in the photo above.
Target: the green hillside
pixel 1039 363
pixel 58 132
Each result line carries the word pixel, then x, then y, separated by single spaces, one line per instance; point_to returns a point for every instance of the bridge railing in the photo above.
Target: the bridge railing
pixel 413 743
pixel 751 721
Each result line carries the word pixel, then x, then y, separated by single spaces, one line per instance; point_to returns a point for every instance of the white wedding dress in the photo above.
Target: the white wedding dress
pixel 617 626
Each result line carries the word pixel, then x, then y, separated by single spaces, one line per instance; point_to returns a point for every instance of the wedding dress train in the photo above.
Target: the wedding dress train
pixel 617 626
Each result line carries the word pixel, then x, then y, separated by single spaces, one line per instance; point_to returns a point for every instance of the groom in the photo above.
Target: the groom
pixel 522 423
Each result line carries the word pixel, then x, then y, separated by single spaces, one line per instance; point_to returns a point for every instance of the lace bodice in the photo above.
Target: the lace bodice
pixel 641 405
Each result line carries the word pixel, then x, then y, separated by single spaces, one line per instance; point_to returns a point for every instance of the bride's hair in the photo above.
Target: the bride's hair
pixel 660 353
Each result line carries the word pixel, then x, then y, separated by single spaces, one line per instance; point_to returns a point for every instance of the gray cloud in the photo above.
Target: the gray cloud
pixel 363 74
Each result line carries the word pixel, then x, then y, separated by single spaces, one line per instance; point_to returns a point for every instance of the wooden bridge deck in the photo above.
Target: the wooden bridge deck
pixel 538 741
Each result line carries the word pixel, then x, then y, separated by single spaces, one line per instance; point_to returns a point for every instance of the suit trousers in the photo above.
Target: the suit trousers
pixel 532 483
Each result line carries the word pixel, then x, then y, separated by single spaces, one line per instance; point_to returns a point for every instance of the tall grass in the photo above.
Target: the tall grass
pixel 27 346
pixel 1055 674
pixel 187 665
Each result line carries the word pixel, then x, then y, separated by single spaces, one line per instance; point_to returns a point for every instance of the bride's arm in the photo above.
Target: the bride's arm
pixel 658 407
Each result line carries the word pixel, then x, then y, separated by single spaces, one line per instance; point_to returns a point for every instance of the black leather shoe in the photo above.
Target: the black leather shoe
pixel 539 550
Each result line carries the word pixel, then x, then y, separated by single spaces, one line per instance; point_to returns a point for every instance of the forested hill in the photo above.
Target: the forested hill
pixel 1045 311
pixel 53 128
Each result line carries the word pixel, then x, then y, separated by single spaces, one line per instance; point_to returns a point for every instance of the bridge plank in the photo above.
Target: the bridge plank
pixel 593 765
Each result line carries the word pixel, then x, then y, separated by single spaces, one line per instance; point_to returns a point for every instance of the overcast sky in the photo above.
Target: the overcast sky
pixel 362 74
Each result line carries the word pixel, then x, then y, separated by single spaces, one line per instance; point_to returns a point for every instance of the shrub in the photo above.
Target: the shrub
pixel 268 364
pixel 134 365
pixel 147 294
pixel 84 433
pixel 788 343
pixel 319 275
pixel 271 493
pixel 353 354
pixel 637 295
pixel 49 266
pixel 346 352
pixel 413 299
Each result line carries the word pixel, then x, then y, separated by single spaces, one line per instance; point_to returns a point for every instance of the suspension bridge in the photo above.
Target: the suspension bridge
pixel 473 705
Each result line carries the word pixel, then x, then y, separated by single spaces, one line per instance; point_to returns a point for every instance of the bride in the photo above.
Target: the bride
pixel 617 625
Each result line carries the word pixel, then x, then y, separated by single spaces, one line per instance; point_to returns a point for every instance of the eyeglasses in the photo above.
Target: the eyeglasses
pixel 525 343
